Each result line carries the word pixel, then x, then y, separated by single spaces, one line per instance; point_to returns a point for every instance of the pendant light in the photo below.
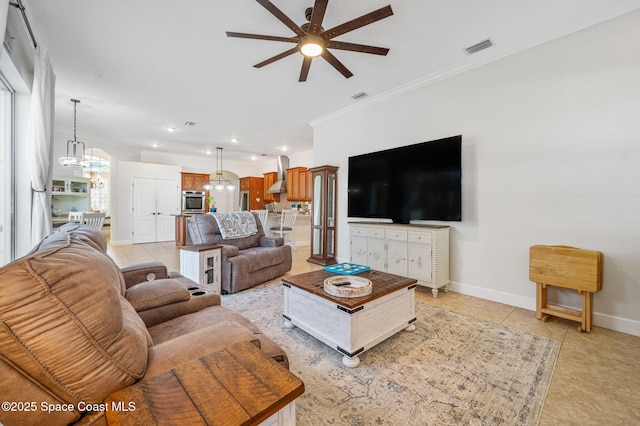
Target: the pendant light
pixel 75 149
pixel 220 181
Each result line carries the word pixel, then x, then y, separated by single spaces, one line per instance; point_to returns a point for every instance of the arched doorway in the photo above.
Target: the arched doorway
pixel 99 173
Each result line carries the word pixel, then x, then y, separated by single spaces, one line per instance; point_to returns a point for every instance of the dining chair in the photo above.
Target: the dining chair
pixel 75 216
pixel 287 224
pixel 263 215
pixel 95 220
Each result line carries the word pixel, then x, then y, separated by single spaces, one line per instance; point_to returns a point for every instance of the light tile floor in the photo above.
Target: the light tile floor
pixel 597 376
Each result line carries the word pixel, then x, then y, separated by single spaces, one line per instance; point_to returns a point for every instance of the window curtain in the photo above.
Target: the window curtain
pixel 40 142
pixel 4 11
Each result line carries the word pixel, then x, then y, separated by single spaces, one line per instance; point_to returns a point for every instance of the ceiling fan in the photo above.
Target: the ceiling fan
pixel 312 40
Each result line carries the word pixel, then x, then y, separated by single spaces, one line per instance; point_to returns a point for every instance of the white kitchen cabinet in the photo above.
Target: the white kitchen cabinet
pixel 420 252
pixel 70 194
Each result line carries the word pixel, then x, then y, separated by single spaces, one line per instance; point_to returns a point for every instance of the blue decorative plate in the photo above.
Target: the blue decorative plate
pixel 346 268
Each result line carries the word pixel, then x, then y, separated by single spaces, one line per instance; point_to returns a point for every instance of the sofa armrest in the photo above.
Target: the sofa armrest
pixel 271 241
pixel 229 250
pixel 152 294
pixel 142 272
pixel 166 313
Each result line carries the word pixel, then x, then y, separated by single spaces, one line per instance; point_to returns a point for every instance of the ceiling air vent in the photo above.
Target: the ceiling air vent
pixel 479 46
pixel 359 95
pixel 189 123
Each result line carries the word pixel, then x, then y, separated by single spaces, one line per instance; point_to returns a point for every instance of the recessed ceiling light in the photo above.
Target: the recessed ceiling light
pixel 284 148
pixel 234 140
pixel 209 152
pixel 170 129
pixel 155 144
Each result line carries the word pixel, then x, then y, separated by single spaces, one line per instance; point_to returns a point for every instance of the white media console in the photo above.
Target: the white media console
pixel 420 252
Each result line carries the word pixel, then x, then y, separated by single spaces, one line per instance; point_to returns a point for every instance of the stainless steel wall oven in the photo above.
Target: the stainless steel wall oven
pixel 193 202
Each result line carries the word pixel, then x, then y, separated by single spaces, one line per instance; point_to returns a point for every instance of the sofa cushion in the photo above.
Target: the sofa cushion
pixel 196 344
pixel 263 257
pixel 215 315
pixel 151 294
pixel 64 323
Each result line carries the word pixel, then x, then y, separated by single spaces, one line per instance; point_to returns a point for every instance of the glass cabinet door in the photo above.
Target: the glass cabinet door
pixel 318 199
pixel 316 250
pixel 331 200
pixel 324 211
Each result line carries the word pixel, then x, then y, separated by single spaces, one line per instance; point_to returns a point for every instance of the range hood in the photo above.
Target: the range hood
pixel 281 184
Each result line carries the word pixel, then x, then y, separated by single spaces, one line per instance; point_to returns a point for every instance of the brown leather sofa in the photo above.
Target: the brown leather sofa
pixel 74 328
pixel 246 261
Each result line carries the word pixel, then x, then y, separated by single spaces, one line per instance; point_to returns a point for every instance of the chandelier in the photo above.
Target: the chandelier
pixel 95 180
pixel 220 181
pixel 75 149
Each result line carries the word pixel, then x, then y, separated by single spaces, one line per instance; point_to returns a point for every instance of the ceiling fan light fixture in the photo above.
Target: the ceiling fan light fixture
pixel 311 46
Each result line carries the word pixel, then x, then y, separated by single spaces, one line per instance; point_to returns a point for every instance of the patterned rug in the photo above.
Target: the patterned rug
pixel 453 370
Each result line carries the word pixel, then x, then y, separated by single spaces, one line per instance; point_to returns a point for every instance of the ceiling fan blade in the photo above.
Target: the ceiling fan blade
pixel 306 64
pixel 315 24
pixel 262 37
pixel 277 57
pixel 336 63
pixel 342 45
pixel 281 17
pixel 367 19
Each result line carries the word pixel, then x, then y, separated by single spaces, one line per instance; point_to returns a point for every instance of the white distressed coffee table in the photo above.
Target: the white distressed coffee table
pixel 350 325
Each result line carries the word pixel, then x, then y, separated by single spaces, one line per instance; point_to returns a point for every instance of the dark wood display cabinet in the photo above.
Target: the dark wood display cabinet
pixel 323 215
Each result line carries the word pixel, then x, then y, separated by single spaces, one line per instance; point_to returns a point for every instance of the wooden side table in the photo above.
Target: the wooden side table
pixel 238 385
pixel 566 267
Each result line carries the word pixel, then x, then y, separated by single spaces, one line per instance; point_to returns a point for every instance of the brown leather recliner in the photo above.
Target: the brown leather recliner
pixel 246 261
pixel 74 328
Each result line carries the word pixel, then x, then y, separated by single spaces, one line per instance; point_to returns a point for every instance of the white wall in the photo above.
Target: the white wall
pixel 551 155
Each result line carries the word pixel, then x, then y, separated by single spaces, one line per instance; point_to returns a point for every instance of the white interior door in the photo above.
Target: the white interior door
pixel 154 201
pixel 167 204
pixel 144 210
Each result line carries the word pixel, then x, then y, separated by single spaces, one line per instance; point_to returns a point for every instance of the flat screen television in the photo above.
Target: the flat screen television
pixel 415 182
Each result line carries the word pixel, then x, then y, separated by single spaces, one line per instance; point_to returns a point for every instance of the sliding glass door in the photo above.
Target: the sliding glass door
pixel 7 189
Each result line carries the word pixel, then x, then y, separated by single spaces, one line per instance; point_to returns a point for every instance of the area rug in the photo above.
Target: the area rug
pixel 453 370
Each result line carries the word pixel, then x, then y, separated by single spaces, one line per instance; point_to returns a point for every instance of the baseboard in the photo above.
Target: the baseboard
pixel 623 325
pixel 120 243
pixel 495 296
